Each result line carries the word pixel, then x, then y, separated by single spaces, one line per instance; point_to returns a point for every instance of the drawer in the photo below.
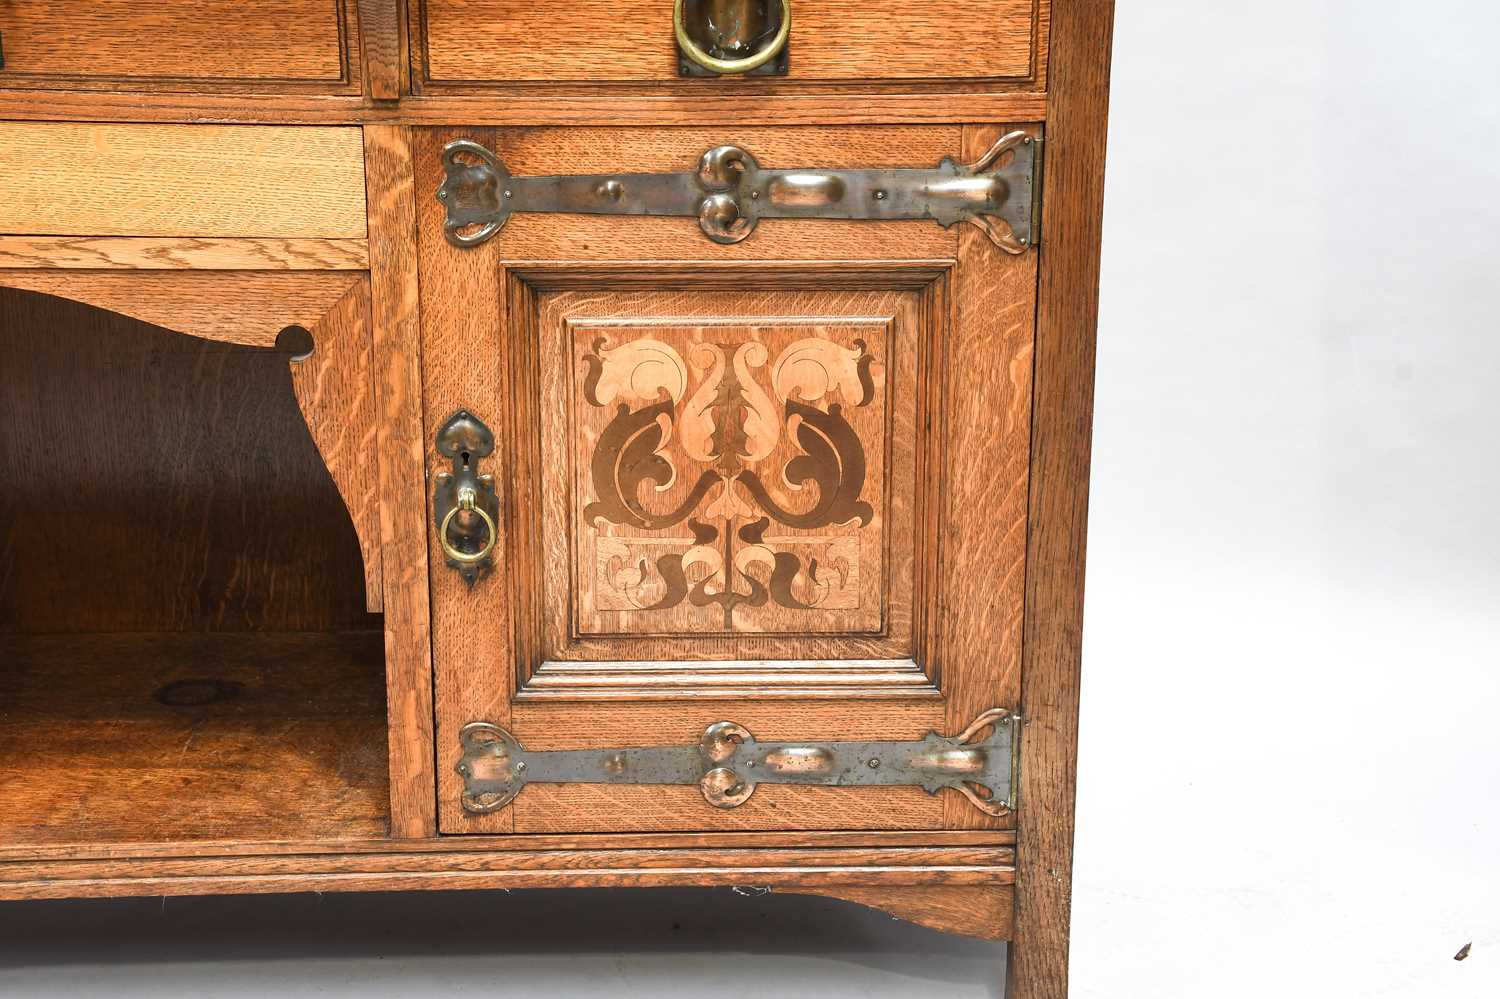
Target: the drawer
pixel 182 180
pixel 189 45
pixel 496 42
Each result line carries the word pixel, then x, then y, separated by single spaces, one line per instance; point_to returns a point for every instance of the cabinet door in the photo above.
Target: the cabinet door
pixel 780 482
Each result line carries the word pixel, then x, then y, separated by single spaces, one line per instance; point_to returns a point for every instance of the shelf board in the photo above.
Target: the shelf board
pixel 167 737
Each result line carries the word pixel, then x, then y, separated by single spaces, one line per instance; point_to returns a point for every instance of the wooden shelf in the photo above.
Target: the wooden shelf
pixel 164 737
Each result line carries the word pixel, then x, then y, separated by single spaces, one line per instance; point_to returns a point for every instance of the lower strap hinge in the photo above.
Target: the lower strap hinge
pixel 728 763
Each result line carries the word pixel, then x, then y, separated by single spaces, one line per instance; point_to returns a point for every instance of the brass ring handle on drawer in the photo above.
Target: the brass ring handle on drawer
pixel 693 51
pixel 466 501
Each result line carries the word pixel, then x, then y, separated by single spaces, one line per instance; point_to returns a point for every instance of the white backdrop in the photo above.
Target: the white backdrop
pixel 1290 753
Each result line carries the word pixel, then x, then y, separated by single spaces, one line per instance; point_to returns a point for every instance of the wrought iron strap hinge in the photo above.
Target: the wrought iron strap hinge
pixel 727 763
pixel 730 193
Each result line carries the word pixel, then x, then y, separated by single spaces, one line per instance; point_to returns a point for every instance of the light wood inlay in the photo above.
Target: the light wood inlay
pixel 214 181
pixel 760 386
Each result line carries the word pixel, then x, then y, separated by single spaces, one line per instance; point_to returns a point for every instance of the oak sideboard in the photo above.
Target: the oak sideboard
pixel 479 444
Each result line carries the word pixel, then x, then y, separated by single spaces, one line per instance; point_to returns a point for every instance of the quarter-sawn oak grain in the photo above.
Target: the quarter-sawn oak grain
pixel 129 187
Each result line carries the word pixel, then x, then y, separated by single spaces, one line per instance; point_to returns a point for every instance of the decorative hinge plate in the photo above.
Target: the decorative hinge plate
pixel 727 763
pixel 730 193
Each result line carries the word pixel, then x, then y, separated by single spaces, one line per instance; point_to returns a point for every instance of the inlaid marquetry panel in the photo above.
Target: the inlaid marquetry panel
pixel 728 475
pixel 723 476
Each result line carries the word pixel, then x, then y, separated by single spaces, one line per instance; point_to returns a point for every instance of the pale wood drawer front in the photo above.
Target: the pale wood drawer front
pixel 182 180
pixel 631 41
pixel 182 45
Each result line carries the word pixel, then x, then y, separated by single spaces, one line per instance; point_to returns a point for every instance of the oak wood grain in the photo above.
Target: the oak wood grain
pixel 987 411
pixel 382 32
pixel 336 394
pixel 596 41
pixel 140 44
pixel 1067 311
pixel 556 861
pixel 183 253
pixel 175 201
pixel 906 103
pixel 243 307
pixel 161 180
pixel 794 870
pixel 982 911
pixel 721 679
pixel 876 839
pixel 872 620
pixel 161 737
pixel 181 473
pixel 596 808
pixel 400 444
pixel 596 239
pixel 483 643
pixel 466 364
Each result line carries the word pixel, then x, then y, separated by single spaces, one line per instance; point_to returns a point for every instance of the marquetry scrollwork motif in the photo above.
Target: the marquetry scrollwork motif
pixel 726 477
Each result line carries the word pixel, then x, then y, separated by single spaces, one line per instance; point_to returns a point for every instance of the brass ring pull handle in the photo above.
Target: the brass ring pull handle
pixel 466 502
pixel 692 50
pixel 466 441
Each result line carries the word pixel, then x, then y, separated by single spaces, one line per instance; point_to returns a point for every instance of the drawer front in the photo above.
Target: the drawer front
pixel 779 481
pixel 494 42
pixel 183 45
pixel 182 180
